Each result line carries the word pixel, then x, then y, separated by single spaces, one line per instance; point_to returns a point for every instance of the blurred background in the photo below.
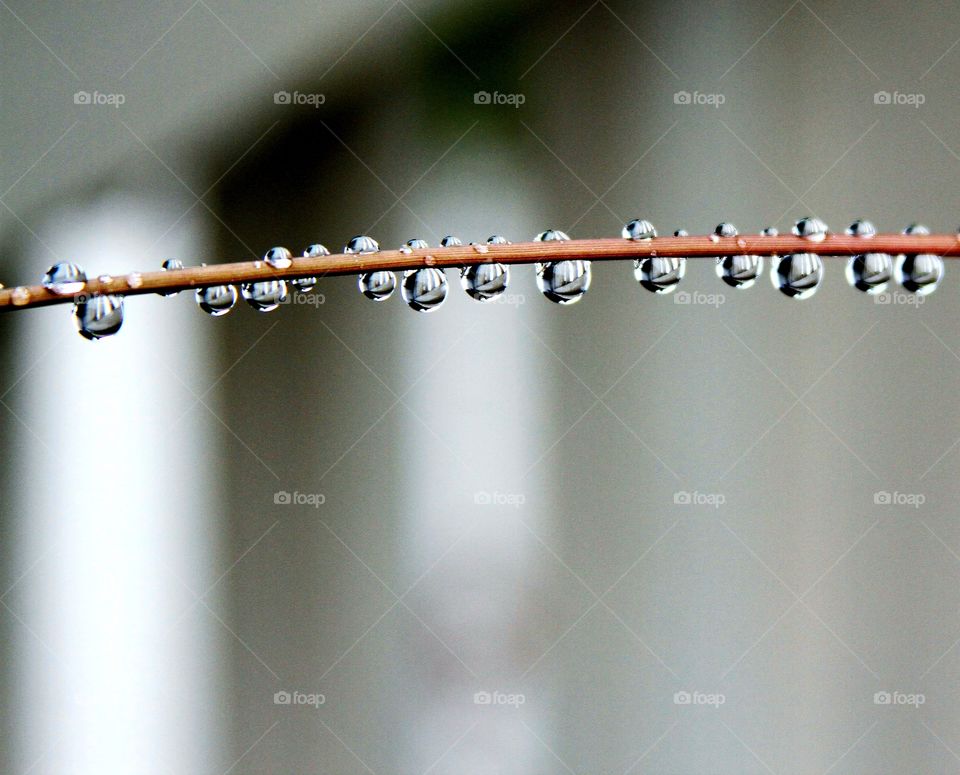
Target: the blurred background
pixel 624 536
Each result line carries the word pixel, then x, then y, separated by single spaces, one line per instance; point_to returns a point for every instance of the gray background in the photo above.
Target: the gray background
pixel 154 597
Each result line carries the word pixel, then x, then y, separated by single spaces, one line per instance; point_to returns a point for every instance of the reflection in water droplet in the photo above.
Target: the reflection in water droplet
pixel 869 272
pixel 361 244
pixel 424 289
pixel 450 242
pixel 770 231
pixel 638 229
pixel 659 274
pixel 484 282
pixel 810 228
pixel 737 271
pixel 64 279
pixel 564 282
pixel 278 258
pixel 681 233
pixel 496 239
pixel 377 286
pixel 216 300
pixel 861 228
pixel 798 275
pixel 726 230
pixel 171 265
pixel 265 296
pixel 406 250
pixel 919 274
pixel 416 244
pixel 551 235
pixel 98 316
pixel 304 284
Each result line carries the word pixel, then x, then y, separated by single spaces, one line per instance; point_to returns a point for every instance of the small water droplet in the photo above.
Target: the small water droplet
pixel 377 286
pixel 861 228
pixel 564 282
pixel 257 264
pixel 737 271
pixel 496 239
pixel 405 250
pixel 919 274
pixel 484 282
pixel 98 316
pixel 20 296
pixel 216 300
pixel 638 229
pixel 265 296
pixel 551 235
pixel 278 258
pixel 305 284
pixel 726 230
pixel 361 244
pixel 770 231
pixel 479 248
pixel 714 238
pixel 65 279
pixel 135 280
pixel 416 244
pixel 171 265
pixel 869 272
pixel 798 275
pixel 105 278
pixel 741 243
pixel 811 228
pixel 424 290
pixel 659 275
pixel 681 233
pixel 315 250
pixel 450 242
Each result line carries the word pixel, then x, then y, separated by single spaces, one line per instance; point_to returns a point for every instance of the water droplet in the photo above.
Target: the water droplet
pixel 450 242
pixel 278 258
pixel 378 286
pixel 362 245
pixel 98 316
pixel 171 265
pixel 257 264
pixel 551 235
pixel 919 274
pixel 416 244
pixel 741 243
pixel 811 228
pixel 424 289
pixel 135 280
pixel 479 248
pixel 496 239
pixel 681 233
pixel 265 296
pixel 484 282
pixel 770 231
pixel 64 279
pixel 861 228
pixel 714 238
pixel 638 229
pixel 737 271
pixel 405 250
pixel 564 282
pixel 216 300
pixel 304 284
pixel 726 230
pixel 659 274
pixel 798 275
pixel 20 296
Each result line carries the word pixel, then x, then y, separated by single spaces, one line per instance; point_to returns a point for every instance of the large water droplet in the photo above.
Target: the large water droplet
pixel 811 228
pixel 564 282
pixel 737 271
pixel 424 289
pixel 660 274
pixel 304 284
pixel 361 244
pixel 265 296
pixel 798 275
pixel 551 235
pixel 868 272
pixel 278 258
pixel 919 274
pixel 451 242
pixel 638 229
pixel 65 279
pixel 496 239
pixel 378 286
pixel 98 316
pixel 484 282
pixel 216 300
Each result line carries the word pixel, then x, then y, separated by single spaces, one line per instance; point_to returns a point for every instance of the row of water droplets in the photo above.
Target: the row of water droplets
pixel 564 282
